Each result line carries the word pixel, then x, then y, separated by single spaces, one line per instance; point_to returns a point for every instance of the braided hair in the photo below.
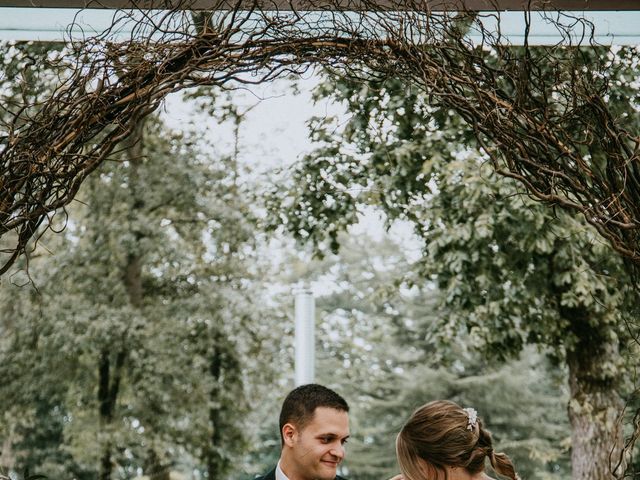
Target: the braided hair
pixel 441 434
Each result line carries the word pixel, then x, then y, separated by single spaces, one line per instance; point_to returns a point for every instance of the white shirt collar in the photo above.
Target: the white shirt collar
pixel 279 473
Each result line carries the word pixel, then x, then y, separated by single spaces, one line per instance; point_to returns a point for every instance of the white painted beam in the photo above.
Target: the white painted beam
pixel 53 24
pixel 305 356
pixel 486 5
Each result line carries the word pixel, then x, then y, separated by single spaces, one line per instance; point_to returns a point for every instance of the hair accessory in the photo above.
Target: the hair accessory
pixel 473 418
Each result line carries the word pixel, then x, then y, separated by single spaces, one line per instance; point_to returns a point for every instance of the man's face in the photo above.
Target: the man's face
pixel 315 451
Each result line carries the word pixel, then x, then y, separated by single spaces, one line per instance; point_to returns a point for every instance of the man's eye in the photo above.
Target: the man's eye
pixel 345 441
pixel 326 439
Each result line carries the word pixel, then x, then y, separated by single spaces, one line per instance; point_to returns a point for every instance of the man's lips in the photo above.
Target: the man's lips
pixel 330 463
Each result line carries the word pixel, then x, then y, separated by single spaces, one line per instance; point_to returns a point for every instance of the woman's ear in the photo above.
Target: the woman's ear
pixel 288 434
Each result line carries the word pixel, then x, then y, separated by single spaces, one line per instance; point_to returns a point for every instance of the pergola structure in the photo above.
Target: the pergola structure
pixel 418 40
pixel 541 116
pixel 268 38
pixel 410 39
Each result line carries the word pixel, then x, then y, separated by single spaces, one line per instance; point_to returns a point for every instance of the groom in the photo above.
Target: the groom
pixel 314 426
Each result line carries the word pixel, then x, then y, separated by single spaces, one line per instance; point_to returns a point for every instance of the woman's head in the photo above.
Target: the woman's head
pixel 441 434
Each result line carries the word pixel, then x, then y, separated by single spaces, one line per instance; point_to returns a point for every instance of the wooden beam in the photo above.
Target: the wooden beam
pixel 438 5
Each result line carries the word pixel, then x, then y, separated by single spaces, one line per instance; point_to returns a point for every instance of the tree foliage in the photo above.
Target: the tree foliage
pixel 378 346
pixel 510 271
pixel 138 344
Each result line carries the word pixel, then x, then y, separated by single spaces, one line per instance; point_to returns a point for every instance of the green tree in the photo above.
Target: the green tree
pixel 377 344
pixel 511 273
pixel 147 312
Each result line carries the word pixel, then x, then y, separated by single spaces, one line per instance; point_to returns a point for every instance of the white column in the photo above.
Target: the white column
pixel 304 337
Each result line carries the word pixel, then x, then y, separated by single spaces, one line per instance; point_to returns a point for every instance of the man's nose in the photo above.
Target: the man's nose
pixel 338 451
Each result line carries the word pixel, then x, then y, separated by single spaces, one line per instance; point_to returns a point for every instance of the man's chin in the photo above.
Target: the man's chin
pixel 329 471
pixel 326 476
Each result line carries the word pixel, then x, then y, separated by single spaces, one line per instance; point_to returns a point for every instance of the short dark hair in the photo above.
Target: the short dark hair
pixel 301 403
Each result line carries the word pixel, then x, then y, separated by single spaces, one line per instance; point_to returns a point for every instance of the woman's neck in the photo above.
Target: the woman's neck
pixel 458 473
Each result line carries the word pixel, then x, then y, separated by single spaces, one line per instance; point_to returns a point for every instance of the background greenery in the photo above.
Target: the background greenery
pixel 154 334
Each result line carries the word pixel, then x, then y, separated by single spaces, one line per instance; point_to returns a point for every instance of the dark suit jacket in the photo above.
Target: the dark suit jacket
pixel 272 476
pixel 269 476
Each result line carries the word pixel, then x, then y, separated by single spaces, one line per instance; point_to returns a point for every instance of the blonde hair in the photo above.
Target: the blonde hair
pixel 439 435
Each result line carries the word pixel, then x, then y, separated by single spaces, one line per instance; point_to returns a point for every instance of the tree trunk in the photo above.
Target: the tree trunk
pixel 105 463
pixel 110 376
pixel 105 411
pixel 154 468
pixel 214 461
pixel 596 434
pixel 132 275
pixel 108 387
pixel 7 459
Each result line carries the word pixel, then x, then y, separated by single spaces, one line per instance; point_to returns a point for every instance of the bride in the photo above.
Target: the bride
pixel 442 441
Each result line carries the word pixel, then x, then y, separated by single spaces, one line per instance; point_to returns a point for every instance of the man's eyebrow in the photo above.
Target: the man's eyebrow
pixel 331 435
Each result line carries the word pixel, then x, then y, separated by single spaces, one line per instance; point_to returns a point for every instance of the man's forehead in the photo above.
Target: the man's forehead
pixel 327 412
pixel 330 420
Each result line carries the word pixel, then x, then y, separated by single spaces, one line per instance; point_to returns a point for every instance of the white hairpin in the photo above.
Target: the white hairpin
pixel 473 418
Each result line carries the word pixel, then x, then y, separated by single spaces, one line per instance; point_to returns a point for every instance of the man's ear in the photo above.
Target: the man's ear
pixel 288 434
